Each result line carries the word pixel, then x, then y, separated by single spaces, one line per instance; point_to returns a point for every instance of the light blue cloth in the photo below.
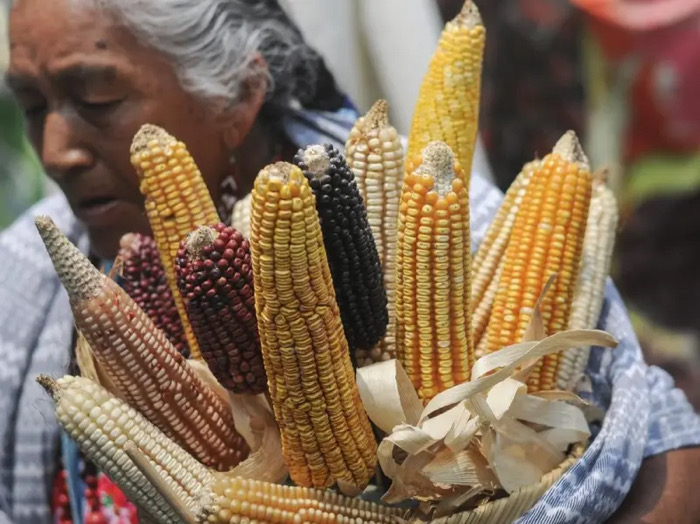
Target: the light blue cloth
pixel 645 414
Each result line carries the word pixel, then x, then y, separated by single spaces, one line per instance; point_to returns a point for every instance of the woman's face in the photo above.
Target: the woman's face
pixel 86 86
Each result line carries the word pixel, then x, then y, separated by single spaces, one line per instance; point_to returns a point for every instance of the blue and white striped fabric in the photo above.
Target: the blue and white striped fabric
pixel 645 414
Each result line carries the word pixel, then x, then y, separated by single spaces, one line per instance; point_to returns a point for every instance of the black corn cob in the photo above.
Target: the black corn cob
pixel 352 253
pixel 215 278
pixel 144 280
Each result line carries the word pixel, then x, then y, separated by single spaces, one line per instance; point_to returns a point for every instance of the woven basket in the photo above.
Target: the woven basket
pixel 510 508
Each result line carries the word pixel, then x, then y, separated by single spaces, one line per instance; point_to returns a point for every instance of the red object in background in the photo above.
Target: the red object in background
pixel 664 35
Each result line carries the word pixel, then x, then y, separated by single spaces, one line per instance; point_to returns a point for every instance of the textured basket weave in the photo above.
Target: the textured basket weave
pixel 510 508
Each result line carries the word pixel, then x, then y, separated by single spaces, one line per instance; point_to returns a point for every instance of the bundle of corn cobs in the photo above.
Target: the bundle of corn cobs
pixel 343 294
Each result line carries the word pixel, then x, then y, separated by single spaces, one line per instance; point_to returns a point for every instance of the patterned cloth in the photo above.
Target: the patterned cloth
pixel 645 414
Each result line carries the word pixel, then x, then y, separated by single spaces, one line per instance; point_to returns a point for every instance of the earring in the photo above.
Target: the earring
pixel 229 191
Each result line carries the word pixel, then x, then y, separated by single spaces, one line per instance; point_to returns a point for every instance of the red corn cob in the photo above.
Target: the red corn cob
pixel 215 278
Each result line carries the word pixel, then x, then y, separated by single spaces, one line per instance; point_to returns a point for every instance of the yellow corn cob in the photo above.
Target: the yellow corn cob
pixel 375 155
pixel 141 362
pixel 487 265
pixel 547 238
pixel 240 217
pixel 433 338
pixel 177 201
pixel 102 425
pixel 326 435
pixel 448 101
pixel 598 245
pixel 240 500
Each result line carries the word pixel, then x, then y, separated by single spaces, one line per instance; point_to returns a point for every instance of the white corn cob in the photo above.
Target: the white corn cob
pixel 598 245
pixel 375 154
pixel 240 218
pixel 102 426
pixel 488 260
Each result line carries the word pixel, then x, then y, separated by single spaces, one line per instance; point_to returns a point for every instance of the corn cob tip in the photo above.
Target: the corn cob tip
pixel 49 384
pixel 569 148
pixel 280 171
pixel 80 278
pixel 469 15
pixel 317 160
pixel 149 133
pixel 600 177
pixel 439 161
pixel 377 116
pixel 200 238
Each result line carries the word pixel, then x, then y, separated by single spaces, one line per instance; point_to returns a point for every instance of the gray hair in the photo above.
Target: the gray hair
pixel 213 45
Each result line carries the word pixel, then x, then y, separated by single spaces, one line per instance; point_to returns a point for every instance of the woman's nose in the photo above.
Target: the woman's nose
pixel 62 152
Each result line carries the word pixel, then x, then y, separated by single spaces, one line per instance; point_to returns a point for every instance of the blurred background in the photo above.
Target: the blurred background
pixel 622 73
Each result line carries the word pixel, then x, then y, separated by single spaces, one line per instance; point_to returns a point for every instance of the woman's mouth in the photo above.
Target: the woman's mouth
pixel 96 211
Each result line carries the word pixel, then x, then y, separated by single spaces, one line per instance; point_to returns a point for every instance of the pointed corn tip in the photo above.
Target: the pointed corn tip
pixel 148 133
pixel 49 384
pixel 198 239
pixel 569 148
pixel 80 278
pixel 600 177
pixel 377 116
pixel 317 160
pixel 439 161
pixel 278 171
pixel 469 16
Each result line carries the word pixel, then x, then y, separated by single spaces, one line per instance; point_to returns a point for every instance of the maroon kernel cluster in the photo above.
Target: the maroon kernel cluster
pixel 215 278
pixel 144 280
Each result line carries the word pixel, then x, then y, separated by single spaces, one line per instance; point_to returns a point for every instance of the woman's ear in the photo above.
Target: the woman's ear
pixel 238 121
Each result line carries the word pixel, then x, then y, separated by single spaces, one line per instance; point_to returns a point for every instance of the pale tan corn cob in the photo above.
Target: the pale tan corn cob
pixel 139 360
pixel 375 155
pixel 177 202
pixel 240 500
pixel 547 239
pixel 433 326
pixel 598 246
pixel 102 425
pixel 326 434
pixel 448 100
pixel 240 217
pixel 488 261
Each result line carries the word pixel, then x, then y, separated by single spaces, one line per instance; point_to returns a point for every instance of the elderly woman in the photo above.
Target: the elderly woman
pixel 235 80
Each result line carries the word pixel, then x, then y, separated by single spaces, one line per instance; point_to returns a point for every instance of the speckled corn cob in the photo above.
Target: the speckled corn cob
pixel 240 217
pixel 102 425
pixel 240 500
pixel 547 239
pixel 215 277
pixel 433 338
pixel 326 435
pixel 144 280
pixel 140 361
pixel 350 248
pixel 375 155
pixel 487 265
pixel 598 246
pixel 177 201
pixel 448 101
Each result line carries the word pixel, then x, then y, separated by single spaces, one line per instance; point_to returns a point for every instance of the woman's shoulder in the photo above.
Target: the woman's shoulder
pixel 24 263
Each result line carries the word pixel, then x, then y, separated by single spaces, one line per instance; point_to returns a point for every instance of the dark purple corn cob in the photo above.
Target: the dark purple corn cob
pixel 350 248
pixel 215 277
pixel 145 281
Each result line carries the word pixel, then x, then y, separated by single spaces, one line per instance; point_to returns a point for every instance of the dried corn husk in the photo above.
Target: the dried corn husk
pixel 480 437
